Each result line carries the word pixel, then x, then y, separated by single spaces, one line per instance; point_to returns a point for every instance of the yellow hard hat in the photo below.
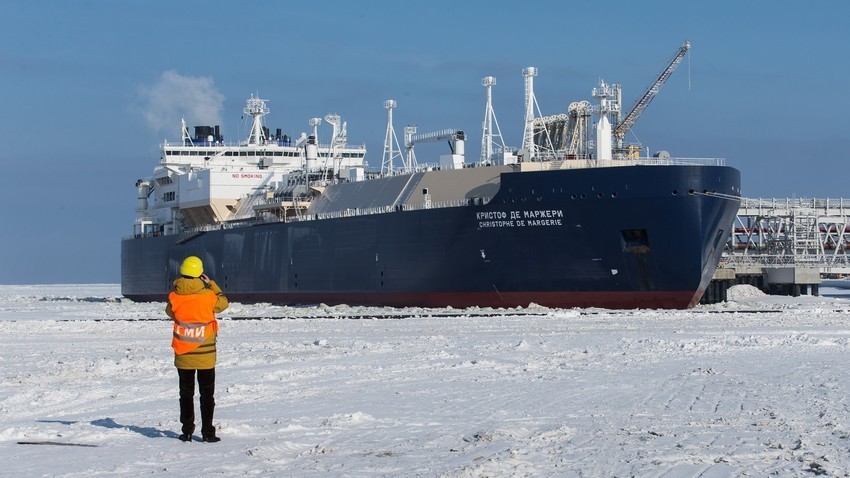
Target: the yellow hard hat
pixel 192 267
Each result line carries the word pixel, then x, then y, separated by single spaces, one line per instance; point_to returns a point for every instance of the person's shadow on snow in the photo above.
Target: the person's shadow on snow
pixel 146 431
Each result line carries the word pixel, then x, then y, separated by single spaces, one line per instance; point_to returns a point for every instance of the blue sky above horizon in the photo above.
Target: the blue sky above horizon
pixel 90 88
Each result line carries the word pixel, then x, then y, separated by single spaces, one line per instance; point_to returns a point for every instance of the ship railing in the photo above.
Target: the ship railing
pixel 203 143
pixel 562 157
pixel 419 168
pixel 352 212
pixel 567 163
pixel 782 260
pixel 610 163
pixel 678 161
pixel 839 206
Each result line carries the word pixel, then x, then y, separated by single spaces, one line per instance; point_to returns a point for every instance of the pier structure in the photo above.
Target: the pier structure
pixel 785 246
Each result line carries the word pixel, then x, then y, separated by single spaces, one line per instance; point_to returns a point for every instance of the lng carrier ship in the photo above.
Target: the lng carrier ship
pixel 573 218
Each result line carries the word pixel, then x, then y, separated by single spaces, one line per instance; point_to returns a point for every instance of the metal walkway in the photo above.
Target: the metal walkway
pixel 797 233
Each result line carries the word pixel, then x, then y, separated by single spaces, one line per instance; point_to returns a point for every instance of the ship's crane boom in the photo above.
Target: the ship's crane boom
pixel 441 135
pixel 454 137
pixel 630 119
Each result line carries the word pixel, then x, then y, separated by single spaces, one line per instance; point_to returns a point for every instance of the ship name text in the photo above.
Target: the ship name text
pixel 522 218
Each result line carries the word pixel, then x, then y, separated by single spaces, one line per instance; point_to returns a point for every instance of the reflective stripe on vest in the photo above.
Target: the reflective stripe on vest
pixel 190 332
pixel 193 313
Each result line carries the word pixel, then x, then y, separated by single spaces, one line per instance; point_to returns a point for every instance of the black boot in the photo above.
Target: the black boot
pixel 207 427
pixel 187 403
pixel 187 418
pixel 206 387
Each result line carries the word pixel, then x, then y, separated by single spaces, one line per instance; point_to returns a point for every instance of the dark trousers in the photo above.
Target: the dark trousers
pixel 206 387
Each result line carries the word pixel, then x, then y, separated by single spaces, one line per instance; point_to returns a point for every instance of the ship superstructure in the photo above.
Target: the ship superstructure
pixel 203 181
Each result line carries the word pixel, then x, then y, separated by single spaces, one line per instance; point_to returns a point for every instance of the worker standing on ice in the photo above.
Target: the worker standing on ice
pixel 193 304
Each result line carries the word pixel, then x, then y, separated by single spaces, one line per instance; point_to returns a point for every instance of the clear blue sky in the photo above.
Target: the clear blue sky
pixel 88 89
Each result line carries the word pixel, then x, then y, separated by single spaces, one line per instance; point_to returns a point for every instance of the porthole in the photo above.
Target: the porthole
pixel 675 192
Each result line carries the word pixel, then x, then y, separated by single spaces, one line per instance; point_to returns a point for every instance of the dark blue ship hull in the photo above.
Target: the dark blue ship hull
pixel 616 237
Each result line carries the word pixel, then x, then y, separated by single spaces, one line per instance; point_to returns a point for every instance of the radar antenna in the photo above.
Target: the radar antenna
pixel 257 109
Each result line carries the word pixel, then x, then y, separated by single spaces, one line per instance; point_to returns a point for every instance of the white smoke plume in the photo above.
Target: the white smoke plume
pixel 175 96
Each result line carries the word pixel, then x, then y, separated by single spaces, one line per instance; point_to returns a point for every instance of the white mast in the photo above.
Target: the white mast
pixel 314 133
pixel 184 132
pixel 528 138
pixel 410 162
pixel 257 109
pixel 489 121
pixel 338 138
pixel 389 141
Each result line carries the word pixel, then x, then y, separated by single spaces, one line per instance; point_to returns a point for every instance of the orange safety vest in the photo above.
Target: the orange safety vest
pixel 194 320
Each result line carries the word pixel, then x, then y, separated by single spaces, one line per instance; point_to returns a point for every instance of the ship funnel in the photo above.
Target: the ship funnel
pixel 144 188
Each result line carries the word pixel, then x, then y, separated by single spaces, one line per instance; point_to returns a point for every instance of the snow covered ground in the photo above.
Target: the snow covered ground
pixel 756 386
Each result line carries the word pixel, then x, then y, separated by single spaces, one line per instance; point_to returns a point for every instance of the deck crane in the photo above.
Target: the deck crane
pixel 620 131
